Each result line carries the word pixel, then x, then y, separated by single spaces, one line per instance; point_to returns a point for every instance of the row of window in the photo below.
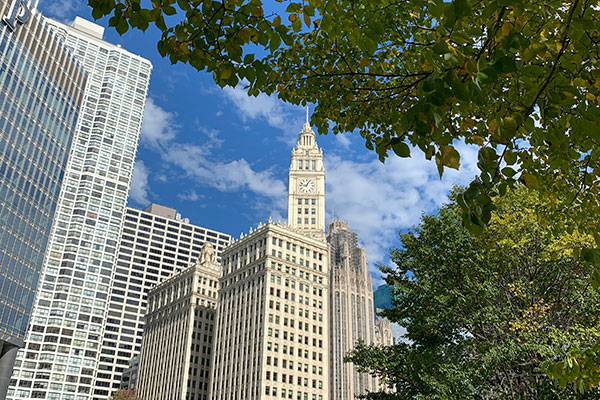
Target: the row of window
pixel 288 393
pixel 292 246
pixel 160 223
pixel 287 378
pixel 289 364
pixel 313 221
pixel 309 165
pixel 302 339
pixel 291 270
pixel 313 210
pixel 290 350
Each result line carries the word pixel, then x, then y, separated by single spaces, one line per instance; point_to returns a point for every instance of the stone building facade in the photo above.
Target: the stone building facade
pixel 351 315
pixel 272 330
pixel 383 332
pixel 178 337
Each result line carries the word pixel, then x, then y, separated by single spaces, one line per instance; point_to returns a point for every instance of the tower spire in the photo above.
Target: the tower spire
pixel 307 130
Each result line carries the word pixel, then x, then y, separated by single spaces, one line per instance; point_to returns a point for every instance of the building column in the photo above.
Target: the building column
pixel 7 361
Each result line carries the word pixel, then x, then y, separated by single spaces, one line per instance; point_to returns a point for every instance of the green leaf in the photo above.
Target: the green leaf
pixel 595 279
pixel 461 8
pixel 367 44
pixel 510 157
pixel 401 149
pixel 461 91
pixel 169 10
pixel 509 172
pixel 591 255
pixel 529 180
pixel 502 188
pixel 275 42
pixel 122 26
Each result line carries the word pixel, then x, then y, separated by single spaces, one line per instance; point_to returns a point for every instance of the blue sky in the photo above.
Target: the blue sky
pixel 221 158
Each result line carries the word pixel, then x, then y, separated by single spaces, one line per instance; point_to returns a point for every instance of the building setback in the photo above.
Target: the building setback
pixel 178 337
pixel 351 315
pixel 41 89
pixel 156 244
pixel 70 309
pixel 272 335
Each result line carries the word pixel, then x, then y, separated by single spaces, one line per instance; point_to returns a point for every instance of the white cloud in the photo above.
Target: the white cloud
pixel 379 199
pixel 158 126
pixel 226 176
pixel 159 131
pixel 213 135
pixel 343 140
pixel 139 184
pixel 276 113
pixel 189 196
pixel 62 10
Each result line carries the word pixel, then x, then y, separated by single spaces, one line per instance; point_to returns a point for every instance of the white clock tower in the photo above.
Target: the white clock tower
pixel 306 190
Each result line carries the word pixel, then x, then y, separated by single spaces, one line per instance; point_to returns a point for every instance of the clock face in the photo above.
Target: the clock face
pixel 306 185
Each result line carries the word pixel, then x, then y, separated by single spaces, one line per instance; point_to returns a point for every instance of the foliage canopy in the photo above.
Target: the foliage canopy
pixel 484 313
pixel 519 79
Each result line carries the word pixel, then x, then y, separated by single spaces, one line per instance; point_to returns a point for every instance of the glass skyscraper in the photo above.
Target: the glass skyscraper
pixel 70 309
pixel 41 89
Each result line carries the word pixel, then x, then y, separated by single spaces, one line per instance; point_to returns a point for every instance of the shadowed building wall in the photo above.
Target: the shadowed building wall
pixel 351 316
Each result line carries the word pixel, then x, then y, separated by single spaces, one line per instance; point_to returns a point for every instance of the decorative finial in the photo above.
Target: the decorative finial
pixel 307 114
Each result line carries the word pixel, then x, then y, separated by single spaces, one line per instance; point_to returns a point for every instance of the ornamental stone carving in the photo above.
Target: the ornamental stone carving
pixel 207 254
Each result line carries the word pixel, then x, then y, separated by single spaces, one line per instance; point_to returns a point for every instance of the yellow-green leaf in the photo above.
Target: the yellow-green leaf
pixel 450 157
pixel 529 180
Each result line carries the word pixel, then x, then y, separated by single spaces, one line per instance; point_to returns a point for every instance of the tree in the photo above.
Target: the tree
pixel 483 313
pixel 517 78
pixel 125 394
